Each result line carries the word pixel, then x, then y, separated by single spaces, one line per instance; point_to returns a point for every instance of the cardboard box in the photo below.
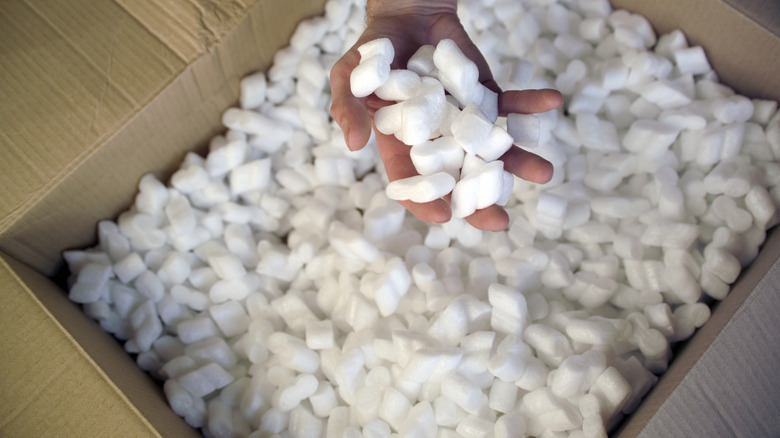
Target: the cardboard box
pixel 96 94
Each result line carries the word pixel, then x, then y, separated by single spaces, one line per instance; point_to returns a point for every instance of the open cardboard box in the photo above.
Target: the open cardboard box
pixel 96 94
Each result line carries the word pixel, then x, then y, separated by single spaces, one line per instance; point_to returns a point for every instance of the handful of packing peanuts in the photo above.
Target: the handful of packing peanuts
pixel 456 138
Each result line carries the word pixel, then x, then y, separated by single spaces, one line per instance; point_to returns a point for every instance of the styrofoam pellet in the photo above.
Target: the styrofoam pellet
pixel 510 310
pixel 550 344
pixel 421 188
pixel 254 175
pixel 524 129
pixel 471 128
pixel 369 75
pixel 441 154
pixel 612 391
pixel 92 283
pixel 214 349
pixel 649 137
pixel 205 380
pixel 478 189
pixel 508 363
pixel 458 73
pixel 400 85
pixel 421 62
pixel 422 114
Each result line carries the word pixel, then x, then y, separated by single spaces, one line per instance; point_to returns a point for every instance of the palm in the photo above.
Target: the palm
pixel 408 32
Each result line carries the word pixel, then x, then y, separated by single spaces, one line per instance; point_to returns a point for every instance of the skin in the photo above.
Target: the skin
pixel 410 24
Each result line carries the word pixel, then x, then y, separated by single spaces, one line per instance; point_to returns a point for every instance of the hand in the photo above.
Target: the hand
pixel 409 25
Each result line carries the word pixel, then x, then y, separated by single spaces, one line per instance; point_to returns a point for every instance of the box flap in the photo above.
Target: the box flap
pixel 764 12
pixel 188 27
pixel 67 382
pixel 73 73
pixel 95 100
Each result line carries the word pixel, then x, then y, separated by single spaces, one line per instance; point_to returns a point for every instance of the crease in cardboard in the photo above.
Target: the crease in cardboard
pixel 166 35
pixel 765 13
pixel 51 182
pixel 106 86
pixel 209 22
pixel 715 399
pixel 24 288
pixel 88 60
pixel 98 114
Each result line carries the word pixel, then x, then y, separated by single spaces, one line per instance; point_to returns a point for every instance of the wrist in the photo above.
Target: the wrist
pixel 377 8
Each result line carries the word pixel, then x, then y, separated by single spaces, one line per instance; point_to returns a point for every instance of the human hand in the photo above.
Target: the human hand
pixel 409 25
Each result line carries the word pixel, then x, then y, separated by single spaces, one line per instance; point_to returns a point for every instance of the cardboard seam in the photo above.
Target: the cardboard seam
pixel 78 50
pixel 212 36
pixel 107 85
pixel 752 17
pixel 77 346
pixel 20 211
pixel 43 190
pixel 184 59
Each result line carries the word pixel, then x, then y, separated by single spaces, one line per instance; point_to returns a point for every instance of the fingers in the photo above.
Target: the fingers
pixel 529 101
pixel 349 112
pixel 520 162
pixel 493 218
pixel 527 166
pixel 436 212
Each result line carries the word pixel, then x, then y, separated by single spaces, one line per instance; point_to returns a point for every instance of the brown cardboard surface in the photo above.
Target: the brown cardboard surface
pixel 764 12
pixel 72 72
pixel 63 376
pixel 188 28
pixel 49 180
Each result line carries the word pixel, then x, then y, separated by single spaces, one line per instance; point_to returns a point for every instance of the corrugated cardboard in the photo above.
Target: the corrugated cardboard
pixel 95 94
pixel 96 98
pixel 63 376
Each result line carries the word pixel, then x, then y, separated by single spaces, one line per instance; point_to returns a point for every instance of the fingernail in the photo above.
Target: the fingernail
pixel 346 138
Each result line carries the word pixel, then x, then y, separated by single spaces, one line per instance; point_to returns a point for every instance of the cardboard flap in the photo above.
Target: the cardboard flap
pixel 189 27
pixel 78 171
pixel 66 382
pixel 73 72
pixel 764 12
